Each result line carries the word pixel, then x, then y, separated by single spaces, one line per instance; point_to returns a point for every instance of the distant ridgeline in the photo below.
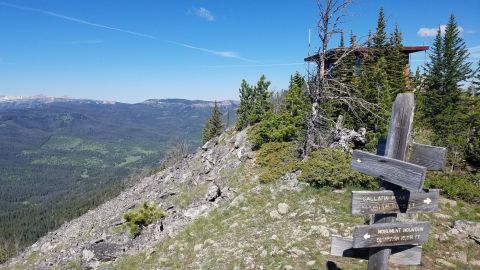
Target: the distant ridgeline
pixel 60 157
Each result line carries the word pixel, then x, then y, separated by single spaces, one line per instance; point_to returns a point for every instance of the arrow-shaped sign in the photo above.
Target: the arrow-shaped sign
pixel 404 174
pixel 399 201
pixel 391 234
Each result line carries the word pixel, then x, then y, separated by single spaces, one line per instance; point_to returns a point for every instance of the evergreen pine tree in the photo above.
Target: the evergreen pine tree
pixel 434 79
pixel 396 63
pixel 456 67
pixel 447 111
pixel 342 41
pixel 254 103
pixel 245 106
pixel 261 103
pixel 214 126
pixel 380 37
pixel 296 100
pixel 353 39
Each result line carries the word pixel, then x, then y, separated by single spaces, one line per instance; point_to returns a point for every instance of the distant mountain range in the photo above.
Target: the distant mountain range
pixel 23 102
pixel 60 156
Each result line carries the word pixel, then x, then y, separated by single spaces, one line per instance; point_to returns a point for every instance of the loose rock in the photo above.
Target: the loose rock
pixel 282 208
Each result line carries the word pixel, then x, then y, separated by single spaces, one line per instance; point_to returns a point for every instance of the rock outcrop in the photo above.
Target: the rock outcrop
pixel 185 191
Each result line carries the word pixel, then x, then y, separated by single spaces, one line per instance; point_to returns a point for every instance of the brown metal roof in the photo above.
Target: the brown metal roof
pixel 405 49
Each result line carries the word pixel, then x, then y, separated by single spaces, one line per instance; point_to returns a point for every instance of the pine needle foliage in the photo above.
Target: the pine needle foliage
pixel 136 220
pixel 448 111
pixel 289 123
pixel 254 102
pixel 214 126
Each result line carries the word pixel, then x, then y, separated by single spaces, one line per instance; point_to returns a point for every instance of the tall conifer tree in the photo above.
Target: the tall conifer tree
pixel 456 66
pixel 396 64
pixel 214 126
pixel 380 37
pixel 245 106
pixel 434 79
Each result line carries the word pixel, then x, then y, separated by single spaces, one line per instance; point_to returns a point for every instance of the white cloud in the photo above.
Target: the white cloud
pixel 204 13
pixel 431 32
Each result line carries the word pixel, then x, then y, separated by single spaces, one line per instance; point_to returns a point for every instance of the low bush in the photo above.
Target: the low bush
pixel 138 219
pixel 455 185
pixel 331 167
pixel 3 255
pixel 276 159
pixel 275 127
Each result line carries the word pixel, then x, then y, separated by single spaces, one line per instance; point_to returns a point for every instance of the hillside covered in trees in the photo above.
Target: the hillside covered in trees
pixel 63 157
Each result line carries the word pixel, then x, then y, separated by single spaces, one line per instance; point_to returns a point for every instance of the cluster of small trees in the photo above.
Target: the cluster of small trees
pixel 446 107
pixel 255 102
pixel 373 72
pixel 360 83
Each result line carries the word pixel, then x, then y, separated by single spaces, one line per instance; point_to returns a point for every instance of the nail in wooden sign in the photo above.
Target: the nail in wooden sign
pixel 401 173
pixel 387 201
pixel 390 234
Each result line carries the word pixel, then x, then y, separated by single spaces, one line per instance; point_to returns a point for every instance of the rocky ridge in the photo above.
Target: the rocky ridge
pixel 219 217
pixel 186 190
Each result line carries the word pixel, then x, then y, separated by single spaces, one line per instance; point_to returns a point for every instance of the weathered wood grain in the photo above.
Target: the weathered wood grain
pixel 401 173
pixel 399 201
pixel 401 255
pixel 391 234
pixel 400 128
pixel 396 147
pixel 431 157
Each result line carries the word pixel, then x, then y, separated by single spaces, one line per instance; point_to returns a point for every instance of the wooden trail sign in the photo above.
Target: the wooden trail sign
pixel 388 201
pixel 431 157
pixel 391 234
pixel 401 255
pixel 404 174
pixel 386 240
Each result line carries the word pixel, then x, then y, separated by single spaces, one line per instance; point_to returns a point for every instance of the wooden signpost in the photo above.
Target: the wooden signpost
pixel 401 182
pixel 391 234
pixel 399 201
pixel 404 174
pixel 401 255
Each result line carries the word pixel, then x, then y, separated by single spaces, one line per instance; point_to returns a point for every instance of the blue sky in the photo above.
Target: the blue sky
pixel 198 49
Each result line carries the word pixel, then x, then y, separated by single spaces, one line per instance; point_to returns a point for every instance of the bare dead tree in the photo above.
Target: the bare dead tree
pixel 322 86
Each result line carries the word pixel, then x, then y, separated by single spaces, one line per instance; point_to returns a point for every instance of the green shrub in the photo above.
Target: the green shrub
pixel 275 127
pixel 276 159
pixel 3 255
pixel 331 167
pixel 139 219
pixel 455 185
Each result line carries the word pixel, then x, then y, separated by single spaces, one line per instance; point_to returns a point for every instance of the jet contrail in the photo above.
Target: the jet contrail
pixel 259 65
pixel 72 19
pixel 225 54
